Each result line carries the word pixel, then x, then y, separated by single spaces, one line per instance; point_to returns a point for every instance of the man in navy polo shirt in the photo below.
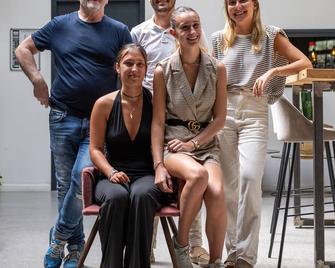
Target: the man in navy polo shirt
pixel 85 45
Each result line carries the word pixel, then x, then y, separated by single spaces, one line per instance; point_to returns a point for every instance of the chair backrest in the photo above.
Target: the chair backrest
pixel 289 123
pixel 89 177
pixel 274 118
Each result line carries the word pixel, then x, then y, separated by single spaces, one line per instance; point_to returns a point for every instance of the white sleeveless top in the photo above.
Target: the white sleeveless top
pixel 244 67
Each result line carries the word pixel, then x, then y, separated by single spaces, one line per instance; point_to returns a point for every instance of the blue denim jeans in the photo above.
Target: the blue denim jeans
pixel 69 142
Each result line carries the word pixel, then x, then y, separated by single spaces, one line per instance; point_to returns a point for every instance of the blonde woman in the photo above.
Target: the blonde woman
pixel 189 108
pixel 257 59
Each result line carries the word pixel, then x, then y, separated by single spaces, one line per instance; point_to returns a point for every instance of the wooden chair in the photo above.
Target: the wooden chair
pixel 90 208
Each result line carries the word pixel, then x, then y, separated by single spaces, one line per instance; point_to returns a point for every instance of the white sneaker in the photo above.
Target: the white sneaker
pixel 182 255
pixel 217 264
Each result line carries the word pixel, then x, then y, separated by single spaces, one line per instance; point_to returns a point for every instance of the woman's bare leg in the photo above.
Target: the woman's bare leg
pixel 216 221
pixel 195 177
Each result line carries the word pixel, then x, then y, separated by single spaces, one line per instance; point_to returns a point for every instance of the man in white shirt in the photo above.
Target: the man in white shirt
pixel 154 35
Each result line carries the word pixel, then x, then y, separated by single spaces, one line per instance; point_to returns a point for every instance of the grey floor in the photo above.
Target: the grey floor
pixel 26 217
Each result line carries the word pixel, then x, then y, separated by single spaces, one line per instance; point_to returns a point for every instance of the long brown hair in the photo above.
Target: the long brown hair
pixel 229 31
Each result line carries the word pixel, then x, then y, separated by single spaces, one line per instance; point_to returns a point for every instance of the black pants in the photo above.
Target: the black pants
pixel 126 221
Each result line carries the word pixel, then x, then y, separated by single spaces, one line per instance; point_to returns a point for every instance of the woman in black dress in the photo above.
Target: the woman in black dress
pixel 120 149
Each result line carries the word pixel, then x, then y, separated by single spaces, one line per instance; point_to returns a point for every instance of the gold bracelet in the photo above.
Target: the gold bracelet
pixel 195 144
pixel 157 164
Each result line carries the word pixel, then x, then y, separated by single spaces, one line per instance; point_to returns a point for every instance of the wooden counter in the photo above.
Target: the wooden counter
pixel 308 76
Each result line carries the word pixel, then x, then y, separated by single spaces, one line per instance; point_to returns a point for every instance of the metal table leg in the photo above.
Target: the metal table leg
pixel 297 199
pixel 319 249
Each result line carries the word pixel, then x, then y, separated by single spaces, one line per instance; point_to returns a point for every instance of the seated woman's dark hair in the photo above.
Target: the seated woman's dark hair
pixel 125 49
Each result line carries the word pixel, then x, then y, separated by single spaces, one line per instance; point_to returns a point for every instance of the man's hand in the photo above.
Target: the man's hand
pixel 41 92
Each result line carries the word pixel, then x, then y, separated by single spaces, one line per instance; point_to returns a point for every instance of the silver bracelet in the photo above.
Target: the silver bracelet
pixel 112 173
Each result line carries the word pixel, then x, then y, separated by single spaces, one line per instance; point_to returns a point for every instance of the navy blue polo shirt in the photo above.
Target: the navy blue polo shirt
pixel 85 55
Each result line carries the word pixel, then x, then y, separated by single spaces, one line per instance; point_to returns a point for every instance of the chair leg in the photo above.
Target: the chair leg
pixel 173 226
pixel 281 181
pixel 286 207
pixel 330 171
pixel 281 168
pixel 169 240
pixel 88 243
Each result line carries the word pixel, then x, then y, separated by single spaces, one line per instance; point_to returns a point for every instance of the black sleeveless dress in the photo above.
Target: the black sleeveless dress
pixel 133 157
pixel 128 209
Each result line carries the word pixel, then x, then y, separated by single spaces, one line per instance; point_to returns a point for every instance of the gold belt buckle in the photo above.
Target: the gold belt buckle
pixel 193 125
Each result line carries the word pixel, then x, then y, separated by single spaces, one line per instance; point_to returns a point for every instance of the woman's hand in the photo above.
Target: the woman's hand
pixel 176 145
pixel 163 179
pixel 119 177
pixel 261 82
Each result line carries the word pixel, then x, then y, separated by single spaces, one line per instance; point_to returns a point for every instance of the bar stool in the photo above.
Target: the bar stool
pixel 292 127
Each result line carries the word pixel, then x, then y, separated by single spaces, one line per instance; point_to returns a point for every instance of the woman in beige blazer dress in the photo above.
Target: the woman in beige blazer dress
pixel 189 108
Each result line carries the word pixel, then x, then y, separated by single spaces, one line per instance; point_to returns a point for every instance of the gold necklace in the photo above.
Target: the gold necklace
pixel 133 99
pixel 131 114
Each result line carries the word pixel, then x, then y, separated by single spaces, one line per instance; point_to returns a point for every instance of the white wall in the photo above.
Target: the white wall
pixel 24 136
pixel 299 14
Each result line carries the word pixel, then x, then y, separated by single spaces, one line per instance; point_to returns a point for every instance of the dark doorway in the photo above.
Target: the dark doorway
pixel 320 42
pixel 130 12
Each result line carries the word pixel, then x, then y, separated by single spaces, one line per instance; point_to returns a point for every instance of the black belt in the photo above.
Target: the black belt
pixel 192 125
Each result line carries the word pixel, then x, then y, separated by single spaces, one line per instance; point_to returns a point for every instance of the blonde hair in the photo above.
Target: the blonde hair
pixel 229 31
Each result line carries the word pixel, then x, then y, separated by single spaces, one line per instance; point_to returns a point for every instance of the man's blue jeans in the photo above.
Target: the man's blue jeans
pixel 69 142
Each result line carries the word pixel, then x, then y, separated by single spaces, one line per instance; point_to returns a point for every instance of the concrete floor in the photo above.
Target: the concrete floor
pixel 26 217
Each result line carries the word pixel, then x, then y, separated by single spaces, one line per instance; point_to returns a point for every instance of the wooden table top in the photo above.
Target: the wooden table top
pixel 308 76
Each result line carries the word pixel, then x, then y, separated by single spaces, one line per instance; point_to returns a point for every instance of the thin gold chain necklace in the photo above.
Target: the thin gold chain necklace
pixel 131 114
